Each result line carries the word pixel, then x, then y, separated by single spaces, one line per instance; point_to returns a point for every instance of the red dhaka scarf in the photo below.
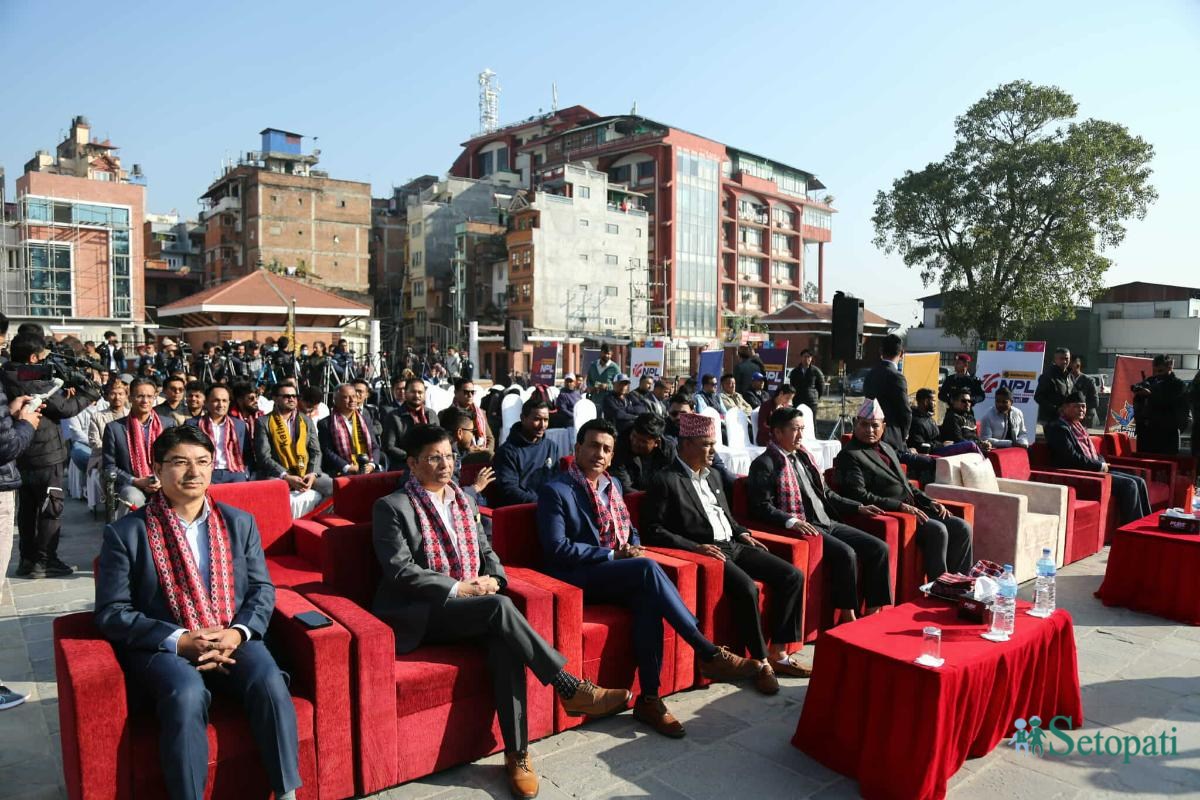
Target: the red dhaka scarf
pixel 233 448
pixel 193 605
pixel 787 485
pixel 342 439
pixel 1083 439
pixel 419 415
pixel 454 553
pixel 140 441
pixel 612 520
pixel 480 422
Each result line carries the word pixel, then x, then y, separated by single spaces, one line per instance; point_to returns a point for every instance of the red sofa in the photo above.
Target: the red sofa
pixel 1088 499
pixel 1158 475
pixel 110 744
pixel 432 708
pixel 292 546
pixel 605 631
pixel 354 496
pixel 1121 445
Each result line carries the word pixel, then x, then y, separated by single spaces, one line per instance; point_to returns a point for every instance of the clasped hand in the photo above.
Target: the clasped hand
pixel 210 648
pixel 478 587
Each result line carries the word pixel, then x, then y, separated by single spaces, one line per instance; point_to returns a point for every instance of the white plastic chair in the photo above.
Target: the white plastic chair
pixel 76 480
pixel 736 432
pixel 437 399
pixel 823 451
pixel 510 414
pixel 585 411
pixel 528 390
pixel 552 393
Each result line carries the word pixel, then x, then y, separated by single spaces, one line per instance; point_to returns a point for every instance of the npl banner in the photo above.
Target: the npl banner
pixel 1015 365
pixel 647 361
pixel 1127 371
pixel 711 363
pixel 545 364
pixel 774 361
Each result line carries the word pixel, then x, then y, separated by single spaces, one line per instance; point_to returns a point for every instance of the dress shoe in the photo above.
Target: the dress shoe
pixel 653 712
pixel 31 569
pixel 725 666
pixel 522 780
pixel 591 700
pixel 765 682
pixel 791 668
pixel 57 568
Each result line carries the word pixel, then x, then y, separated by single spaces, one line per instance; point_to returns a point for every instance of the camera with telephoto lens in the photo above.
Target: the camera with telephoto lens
pixel 1145 383
pixel 363 459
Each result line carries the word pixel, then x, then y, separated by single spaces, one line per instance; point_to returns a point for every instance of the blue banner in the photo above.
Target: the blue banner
pixel 712 363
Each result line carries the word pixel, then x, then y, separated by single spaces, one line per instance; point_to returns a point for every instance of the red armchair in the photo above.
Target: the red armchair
pixel 605 631
pixel 110 745
pixel 354 496
pixel 292 546
pixel 432 708
pixel 1088 499
pixel 1158 475
pixel 1122 445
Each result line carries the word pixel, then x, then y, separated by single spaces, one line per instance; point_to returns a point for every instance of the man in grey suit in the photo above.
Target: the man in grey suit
pixel 136 480
pixel 278 452
pixel 441 584
pixel 885 383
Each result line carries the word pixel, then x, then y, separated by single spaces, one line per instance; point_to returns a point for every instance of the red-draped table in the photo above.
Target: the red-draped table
pixel 1153 571
pixel 901 729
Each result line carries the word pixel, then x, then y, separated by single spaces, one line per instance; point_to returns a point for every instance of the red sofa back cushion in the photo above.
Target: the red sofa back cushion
pixel 1010 462
pixel 351 568
pixel 514 536
pixel 355 495
pixel 741 502
pixel 268 501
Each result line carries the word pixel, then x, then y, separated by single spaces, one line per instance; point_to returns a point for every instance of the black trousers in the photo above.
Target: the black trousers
pixel 945 546
pixel 743 566
pixel 847 549
pixel 1130 494
pixel 39 512
pixel 181 696
pixel 512 644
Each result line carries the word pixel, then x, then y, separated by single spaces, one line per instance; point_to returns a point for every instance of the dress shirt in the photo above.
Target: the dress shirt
pixel 218 440
pixel 722 530
pixel 196 533
pixel 445 510
pixel 1003 430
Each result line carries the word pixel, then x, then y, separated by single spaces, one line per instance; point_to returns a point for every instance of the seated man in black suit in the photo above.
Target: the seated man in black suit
pixel 128 443
pixel 233 459
pixel 959 425
pixel 398 420
pixel 441 583
pixel 869 471
pixel 785 489
pixel 183 592
pixel 642 451
pixel 1071 447
pixel 589 541
pixel 687 508
pixel 348 442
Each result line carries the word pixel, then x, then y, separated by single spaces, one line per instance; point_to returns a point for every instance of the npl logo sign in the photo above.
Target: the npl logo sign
pixel 1020 382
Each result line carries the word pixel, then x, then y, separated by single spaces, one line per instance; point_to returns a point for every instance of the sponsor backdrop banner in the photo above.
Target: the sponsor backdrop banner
pixel 1126 372
pixel 921 372
pixel 1016 365
pixel 646 361
pixel 545 360
pixel 775 361
pixel 711 363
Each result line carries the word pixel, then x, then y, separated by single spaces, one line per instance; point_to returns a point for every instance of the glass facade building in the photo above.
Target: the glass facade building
pixel 696 268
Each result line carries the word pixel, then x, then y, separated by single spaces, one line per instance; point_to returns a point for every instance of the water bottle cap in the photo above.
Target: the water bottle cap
pixel 1045 551
pixel 1008 568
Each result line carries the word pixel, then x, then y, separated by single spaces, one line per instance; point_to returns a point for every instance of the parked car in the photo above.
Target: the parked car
pixel 854 383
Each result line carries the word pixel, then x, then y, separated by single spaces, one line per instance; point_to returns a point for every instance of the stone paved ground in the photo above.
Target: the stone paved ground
pixel 1140 674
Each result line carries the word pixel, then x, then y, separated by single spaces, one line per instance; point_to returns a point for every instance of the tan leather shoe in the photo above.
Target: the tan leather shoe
pixel 791 668
pixel 766 682
pixel 653 712
pixel 591 700
pixel 725 666
pixel 522 780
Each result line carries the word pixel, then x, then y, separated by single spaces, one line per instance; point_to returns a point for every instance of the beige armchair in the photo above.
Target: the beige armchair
pixel 1014 520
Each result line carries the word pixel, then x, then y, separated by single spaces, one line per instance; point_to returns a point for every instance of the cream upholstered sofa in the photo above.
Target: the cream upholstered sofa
pixel 1014 520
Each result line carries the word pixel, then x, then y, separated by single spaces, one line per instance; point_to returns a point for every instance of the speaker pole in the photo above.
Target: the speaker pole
pixel 843 420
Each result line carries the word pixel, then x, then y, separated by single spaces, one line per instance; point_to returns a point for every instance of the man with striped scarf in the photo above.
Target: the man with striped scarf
pixel 233 459
pixel 349 445
pixel 285 447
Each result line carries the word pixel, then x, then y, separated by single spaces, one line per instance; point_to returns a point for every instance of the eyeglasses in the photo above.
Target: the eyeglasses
pixel 467 429
pixel 437 461
pixel 286 396
pixel 183 463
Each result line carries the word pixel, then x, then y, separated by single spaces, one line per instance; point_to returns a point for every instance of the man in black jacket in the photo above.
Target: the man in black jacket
pixel 1053 387
pixel 886 384
pixel 1086 385
pixel 41 465
pixel 923 433
pixel 616 406
pixel 959 424
pixel 398 421
pixel 1160 409
pixel 642 451
pixel 112 357
pixel 808 381
pixel 869 471
pixel 961 379
pixel 1072 448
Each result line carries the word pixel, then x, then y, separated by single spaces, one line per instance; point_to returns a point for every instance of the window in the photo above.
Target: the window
pixel 1163 313
pixel 515 258
pixel 418 288
pixel 122 286
pixel 780 298
pixel 750 237
pixel 610 227
pixel 50 280
pixel 416 258
pixel 817 218
pixel 274 198
pixel 299 201
pixel 750 269
pixel 528 257
pixel 784 217
pixel 781 243
pixel 584 192
pixel 620 174
pixel 637 232
pixel 782 272
pixel 275 230
pixel 645 170
pixel 337 239
pixel 610 291
pixel 341 203
pixel 414 229
pixel 611 259
pixel 697 199
pixel 583 223
pixel 583 256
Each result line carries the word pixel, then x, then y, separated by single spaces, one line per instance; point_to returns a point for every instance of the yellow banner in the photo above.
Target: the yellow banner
pixel 921 372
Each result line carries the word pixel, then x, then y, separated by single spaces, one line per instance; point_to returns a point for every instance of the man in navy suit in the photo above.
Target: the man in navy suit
pixel 349 445
pixel 588 540
pixel 233 455
pixel 886 384
pixel 183 593
pixel 128 443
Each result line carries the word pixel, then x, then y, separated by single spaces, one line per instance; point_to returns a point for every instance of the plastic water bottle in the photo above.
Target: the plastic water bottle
pixel 1043 592
pixel 1004 619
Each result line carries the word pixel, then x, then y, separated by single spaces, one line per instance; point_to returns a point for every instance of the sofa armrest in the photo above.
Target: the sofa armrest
pixel 347 561
pixel 318 661
pixel 306 539
pixel 93 711
pixel 372 688
pixel 682 573
pixel 1159 470
pixel 1044 498
pixel 332 520
pixel 790 548
pixel 1001 505
pixel 1096 486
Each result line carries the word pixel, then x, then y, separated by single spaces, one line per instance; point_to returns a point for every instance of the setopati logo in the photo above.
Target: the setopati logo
pixel 1029 737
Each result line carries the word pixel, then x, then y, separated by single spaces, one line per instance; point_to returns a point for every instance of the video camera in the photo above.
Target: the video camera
pixel 1145 383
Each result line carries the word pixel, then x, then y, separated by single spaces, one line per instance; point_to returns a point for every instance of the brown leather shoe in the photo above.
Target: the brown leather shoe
pixel 725 666
pixel 592 701
pixel 653 712
pixel 522 780
pixel 791 668
pixel 765 682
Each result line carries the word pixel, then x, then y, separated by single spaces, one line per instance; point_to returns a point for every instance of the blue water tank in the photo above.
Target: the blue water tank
pixel 277 141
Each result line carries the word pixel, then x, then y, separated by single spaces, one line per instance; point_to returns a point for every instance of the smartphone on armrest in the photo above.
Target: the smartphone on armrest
pixel 314 619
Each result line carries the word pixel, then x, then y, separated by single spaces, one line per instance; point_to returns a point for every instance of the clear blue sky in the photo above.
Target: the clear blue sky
pixel 854 92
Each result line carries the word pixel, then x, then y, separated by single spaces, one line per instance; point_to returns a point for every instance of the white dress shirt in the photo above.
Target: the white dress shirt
pixel 218 440
pixel 722 530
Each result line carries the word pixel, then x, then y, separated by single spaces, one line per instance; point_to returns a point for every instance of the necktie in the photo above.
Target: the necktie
pixel 814 504
pixel 1008 426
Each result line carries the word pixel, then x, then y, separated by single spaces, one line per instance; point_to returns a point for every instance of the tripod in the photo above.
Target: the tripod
pixel 843 422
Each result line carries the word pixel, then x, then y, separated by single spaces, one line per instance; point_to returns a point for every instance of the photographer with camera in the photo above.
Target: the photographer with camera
pixel 284 360
pixel 237 361
pixel 112 357
pixel 169 360
pixel 30 372
pixel 1160 409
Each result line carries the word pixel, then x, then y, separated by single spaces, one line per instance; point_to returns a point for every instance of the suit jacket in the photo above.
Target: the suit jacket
pixel 131 610
pixel 105 350
pixel 330 458
pixel 116 447
pixel 762 488
pixel 958 427
pixel 808 383
pixel 647 403
pixel 566 526
pixel 634 471
pixel 265 463
pixel 863 476
pixel 619 411
pixel 409 588
pixel 396 424
pixel 243 439
pixel 887 385
pixel 1065 452
pixel 673 515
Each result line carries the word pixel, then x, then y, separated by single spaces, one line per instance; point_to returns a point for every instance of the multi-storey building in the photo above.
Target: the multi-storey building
pixel 273 209
pixel 732 236
pixel 74 261
pixel 174 251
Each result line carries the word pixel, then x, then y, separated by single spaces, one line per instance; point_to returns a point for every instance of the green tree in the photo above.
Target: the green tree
pixel 1011 223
